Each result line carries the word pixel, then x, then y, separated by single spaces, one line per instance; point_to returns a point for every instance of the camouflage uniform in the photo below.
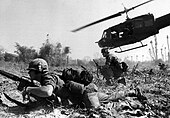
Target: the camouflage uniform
pixel 82 91
pixel 113 63
pixel 112 69
pixel 88 94
pixel 69 91
pixel 58 85
pixel 92 98
pixel 47 78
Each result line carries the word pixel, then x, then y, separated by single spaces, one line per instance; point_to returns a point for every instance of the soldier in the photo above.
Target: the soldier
pixel 72 90
pixel 113 66
pixel 49 82
pixel 91 97
pixel 77 83
pixel 84 93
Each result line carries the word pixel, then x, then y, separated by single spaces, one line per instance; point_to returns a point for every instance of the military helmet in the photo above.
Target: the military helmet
pixel 39 65
pixel 104 50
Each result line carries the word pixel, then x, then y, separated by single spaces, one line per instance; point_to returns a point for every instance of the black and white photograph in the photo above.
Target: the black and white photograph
pixel 84 59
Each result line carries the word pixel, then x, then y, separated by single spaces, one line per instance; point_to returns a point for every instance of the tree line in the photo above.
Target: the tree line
pixel 54 54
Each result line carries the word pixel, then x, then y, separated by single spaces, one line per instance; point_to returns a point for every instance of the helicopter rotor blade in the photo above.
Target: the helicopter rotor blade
pixel 127 10
pixel 109 17
pixel 101 20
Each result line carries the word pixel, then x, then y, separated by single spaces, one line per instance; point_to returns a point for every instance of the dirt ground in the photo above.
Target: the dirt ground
pixel 156 89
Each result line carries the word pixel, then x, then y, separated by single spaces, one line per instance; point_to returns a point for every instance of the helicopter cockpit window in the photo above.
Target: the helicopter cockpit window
pixel 138 24
pixel 114 34
pixel 104 35
pixel 108 34
pixel 148 22
pixel 121 34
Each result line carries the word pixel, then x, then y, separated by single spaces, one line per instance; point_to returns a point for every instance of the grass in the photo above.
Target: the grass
pixel 156 88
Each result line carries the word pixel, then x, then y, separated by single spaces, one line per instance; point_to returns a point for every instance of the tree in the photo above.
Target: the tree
pixel 2 52
pixel 65 53
pixel 10 57
pixel 53 53
pixel 25 53
pixel 66 50
pixel 45 50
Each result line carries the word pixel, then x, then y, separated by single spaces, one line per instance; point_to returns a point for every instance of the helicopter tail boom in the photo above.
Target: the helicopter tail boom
pixel 162 21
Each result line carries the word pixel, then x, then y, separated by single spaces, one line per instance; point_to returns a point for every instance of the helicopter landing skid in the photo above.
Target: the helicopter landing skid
pixel 130 48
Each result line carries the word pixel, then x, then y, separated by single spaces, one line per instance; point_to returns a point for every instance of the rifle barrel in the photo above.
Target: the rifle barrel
pixel 9 75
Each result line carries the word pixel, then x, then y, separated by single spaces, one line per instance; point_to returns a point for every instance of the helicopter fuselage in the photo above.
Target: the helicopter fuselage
pixel 129 32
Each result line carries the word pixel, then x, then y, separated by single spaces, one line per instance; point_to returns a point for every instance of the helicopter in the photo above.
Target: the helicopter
pixel 131 31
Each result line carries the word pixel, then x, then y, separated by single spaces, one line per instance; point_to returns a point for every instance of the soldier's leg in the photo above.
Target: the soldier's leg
pixel 90 96
pixel 117 95
pixel 107 73
pixel 77 100
pixel 103 97
pixel 116 72
pixel 91 100
pixel 122 94
pixel 63 93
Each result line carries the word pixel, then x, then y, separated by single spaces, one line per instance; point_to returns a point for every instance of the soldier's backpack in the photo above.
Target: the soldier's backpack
pixel 82 77
pixel 70 74
pixel 86 77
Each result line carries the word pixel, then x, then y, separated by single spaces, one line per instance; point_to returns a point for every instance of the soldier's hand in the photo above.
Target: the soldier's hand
pixel 26 94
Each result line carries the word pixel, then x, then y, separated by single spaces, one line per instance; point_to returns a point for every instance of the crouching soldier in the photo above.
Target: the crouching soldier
pixel 112 69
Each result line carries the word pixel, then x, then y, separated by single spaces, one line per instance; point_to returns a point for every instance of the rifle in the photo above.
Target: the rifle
pixel 98 67
pixel 102 69
pixel 96 63
pixel 24 82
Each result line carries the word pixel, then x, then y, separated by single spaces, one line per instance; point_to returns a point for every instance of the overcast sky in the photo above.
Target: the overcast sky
pixel 29 21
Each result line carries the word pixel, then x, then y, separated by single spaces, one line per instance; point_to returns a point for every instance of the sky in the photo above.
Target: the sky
pixel 27 22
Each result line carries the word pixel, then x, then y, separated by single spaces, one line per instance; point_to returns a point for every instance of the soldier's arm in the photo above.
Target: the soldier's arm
pixel 43 91
pixel 46 89
pixel 108 60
